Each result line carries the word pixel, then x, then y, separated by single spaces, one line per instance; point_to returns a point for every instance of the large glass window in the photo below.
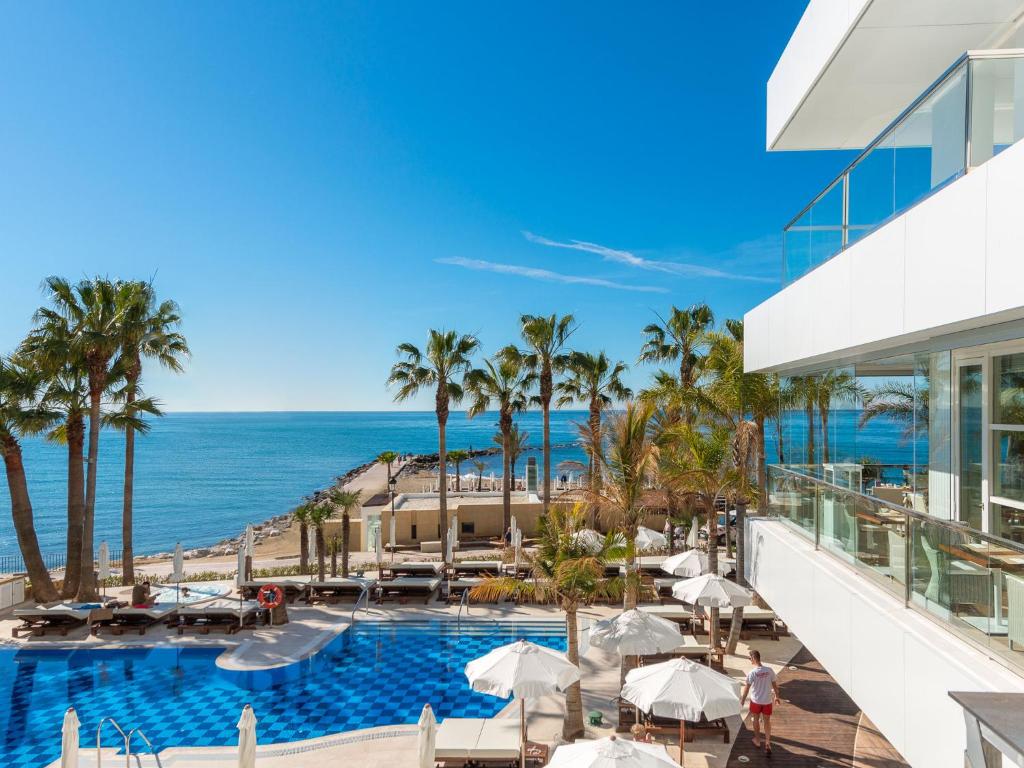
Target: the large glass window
pixel 970 443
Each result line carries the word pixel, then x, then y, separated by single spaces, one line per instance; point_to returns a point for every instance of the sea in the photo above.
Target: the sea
pixel 201 477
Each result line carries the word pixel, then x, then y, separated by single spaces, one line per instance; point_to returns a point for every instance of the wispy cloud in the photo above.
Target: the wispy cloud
pixel 545 274
pixel 681 269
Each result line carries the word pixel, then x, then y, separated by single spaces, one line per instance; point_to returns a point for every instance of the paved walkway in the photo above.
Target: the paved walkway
pixel 816 725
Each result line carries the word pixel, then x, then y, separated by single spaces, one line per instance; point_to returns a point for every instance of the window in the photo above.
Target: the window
pixel 468 528
pixel 413 535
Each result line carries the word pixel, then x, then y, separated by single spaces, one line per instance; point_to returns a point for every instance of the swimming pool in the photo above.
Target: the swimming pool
pixel 375 673
pixel 188 593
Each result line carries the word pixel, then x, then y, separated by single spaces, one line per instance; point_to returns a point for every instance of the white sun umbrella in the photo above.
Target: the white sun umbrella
pixel 392 536
pixel 455 532
pixel 426 737
pixel 517 541
pixel 611 752
pixel 713 591
pixel 247 738
pixel 250 540
pixel 687 564
pixel 693 538
pixel 524 670
pixel 378 549
pixel 589 538
pixel 69 740
pixel 682 690
pixel 104 569
pixel 178 569
pixel 311 540
pixel 636 633
pixel 648 539
pixel 240 579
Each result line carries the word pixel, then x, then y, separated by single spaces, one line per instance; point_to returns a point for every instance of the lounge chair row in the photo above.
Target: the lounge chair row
pixel 60 619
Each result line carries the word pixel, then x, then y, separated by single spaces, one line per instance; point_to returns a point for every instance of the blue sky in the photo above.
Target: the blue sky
pixel 315 183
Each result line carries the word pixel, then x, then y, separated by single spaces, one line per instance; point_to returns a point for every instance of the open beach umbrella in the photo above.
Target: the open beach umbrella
pixel 687 564
pixel 593 540
pixel 648 539
pixel 713 591
pixel 682 690
pixel 636 633
pixel 426 737
pixel 247 738
pixel 69 740
pixel 611 752
pixel 524 670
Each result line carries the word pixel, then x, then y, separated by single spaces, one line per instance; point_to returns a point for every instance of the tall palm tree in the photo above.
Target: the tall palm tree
pixel 346 502
pixel 835 387
pixel 518 445
pixel 22 413
pixel 568 572
pixel 387 458
pixel 505 382
pixel 629 457
pixel 546 336
pixel 319 514
pixel 94 311
pixel 456 458
pixel 301 515
pixel 597 382
pixel 148 331
pixel 680 337
pixel 445 360
pixel 479 466
pixel 900 401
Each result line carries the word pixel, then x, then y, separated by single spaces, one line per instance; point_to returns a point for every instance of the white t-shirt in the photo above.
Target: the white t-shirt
pixel 760 680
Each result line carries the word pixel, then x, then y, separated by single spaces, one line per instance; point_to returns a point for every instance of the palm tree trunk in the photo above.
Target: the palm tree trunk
pixel 303 548
pixel 458 477
pixel 321 563
pixel 734 630
pixel 779 451
pixel 127 547
pixel 506 483
pixel 546 408
pixel 572 726
pixel 442 452
pixel 809 410
pixel 823 412
pixel 334 558
pixel 43 589
pixel 75 428
pixel 713 565
pixel 595 459
pixel 87 584
pixel 762 468
pixel 630 598
pixel 345 526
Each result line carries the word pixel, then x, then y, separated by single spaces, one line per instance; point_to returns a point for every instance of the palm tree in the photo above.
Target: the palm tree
pixel 565 571
pixel 347 502
pixel 835 387
pixel 94 311
pixel 301 515
pixel 546 336
pixel 597 382
pixel 682 336
pixel 148 330
pixel 456 458
pixel 479 466
pixel 319 514
pixel 900 401
pixel 503 381
pixel 518 445
pixel 387 458
pixel 21 413
pixel 629 456
pixel 447 357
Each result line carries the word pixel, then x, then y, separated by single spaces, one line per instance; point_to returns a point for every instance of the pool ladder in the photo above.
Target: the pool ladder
pixel 463 603
pixel 127 737
pixel 365 594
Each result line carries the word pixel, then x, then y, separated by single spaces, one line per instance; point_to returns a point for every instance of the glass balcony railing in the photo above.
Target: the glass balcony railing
pixel 971 113
pixel 971 582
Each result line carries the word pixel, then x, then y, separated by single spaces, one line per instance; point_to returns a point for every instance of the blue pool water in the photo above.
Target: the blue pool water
pixel 376 673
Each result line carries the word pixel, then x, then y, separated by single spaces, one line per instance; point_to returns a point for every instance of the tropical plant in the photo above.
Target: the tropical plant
pixel 447 357
pixel 568 572
pixel 148 330
pixel 22 413
pixel 518 445
pixel 346 502
pixel 319 514
pixel 835 387
pixel 387 458
pixel 680 337
pixel 628 458
pixel 301 515
pixel 900 401
pixel 597 382
pixel 546 336
pixel 503 381
pixel 479 466
pixel 456 458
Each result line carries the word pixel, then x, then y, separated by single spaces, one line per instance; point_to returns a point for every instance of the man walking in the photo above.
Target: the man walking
pixel 763 689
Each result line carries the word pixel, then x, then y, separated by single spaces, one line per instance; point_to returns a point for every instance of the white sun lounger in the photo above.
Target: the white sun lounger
pixel 675 613
pixel 336 590
pixel 405 587
pixel 135 619
pixel 225 615
pixel 460 740
pixel 58 618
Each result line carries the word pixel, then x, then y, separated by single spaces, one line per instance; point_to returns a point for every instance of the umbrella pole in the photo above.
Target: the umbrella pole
pixel 522 732
pixel 682 739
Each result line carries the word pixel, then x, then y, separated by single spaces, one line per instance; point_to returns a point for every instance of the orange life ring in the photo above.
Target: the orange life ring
pixel 270 596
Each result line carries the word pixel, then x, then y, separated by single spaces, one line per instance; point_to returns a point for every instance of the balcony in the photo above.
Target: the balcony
pixel 971 113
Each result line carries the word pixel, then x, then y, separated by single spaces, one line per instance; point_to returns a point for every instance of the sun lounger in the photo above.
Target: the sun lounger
pixel 404 587
pixel 337 590
pixel 129 619
pixel 56 619
pixel 677 613
pixel 492 742
pixel 690 648
pixel 663 585
pixel 757 622
pixel 225 616
pixel 457 586
pixel 293 590
pixel 397 570
pixel 702 727
pixel 477 568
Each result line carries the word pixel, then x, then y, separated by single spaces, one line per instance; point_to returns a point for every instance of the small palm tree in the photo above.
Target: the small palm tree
pixel 22 413
pixel 387 458
pixel 301 515
pixel 479 466
pixel 346 502
pixel 504 381
pixel 546 336
pixel 518 445
pixel 319 514
pixel 446 359
pixel 568 572
pixel 456 458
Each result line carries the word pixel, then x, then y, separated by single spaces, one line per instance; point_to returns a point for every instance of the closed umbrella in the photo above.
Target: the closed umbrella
pixel 713 591
pixel 247 738
pixel 687 564
pixel 392 537
pixel 250 550
pixel 593 540
pixel 517 541
pixel 693 538
pixel 240 579
pixel 104 564
pixel 311 539
pixel 682 690
pixel 636 633
pixel 69 740
pixel 648 539
pixel 521 669
pixel 377 548
pixel 178 569
pixel 611 752
pixel 455 532
pixel 426 737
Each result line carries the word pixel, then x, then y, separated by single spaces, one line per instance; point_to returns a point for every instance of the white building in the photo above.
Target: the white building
pixel 905 277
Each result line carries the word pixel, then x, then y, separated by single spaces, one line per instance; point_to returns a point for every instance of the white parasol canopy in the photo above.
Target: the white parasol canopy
pixel 104 561
pixel 636 633
pixel 426 737
pixel 648 539
pixel 247 738
pixel 69 740
pixel 522 669
pixel 178 566
pixel 713 591
pixel 687 564
pixel 611 752
pixel 593 540
pixel 683 690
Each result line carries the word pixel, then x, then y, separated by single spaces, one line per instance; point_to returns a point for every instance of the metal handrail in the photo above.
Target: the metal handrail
pixel 145 738
pixel 463 603
pixel 364 593
pixel 99 742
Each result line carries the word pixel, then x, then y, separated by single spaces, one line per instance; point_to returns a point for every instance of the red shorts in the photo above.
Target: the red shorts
pixel 761 709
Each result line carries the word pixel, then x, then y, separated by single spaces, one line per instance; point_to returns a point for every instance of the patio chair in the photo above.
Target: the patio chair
pixel 139 620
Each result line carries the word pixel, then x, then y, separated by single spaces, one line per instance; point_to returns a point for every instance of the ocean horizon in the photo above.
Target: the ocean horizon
pixel 201 477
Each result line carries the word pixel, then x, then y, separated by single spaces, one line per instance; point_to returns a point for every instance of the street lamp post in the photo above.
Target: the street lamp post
pixel 392 485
